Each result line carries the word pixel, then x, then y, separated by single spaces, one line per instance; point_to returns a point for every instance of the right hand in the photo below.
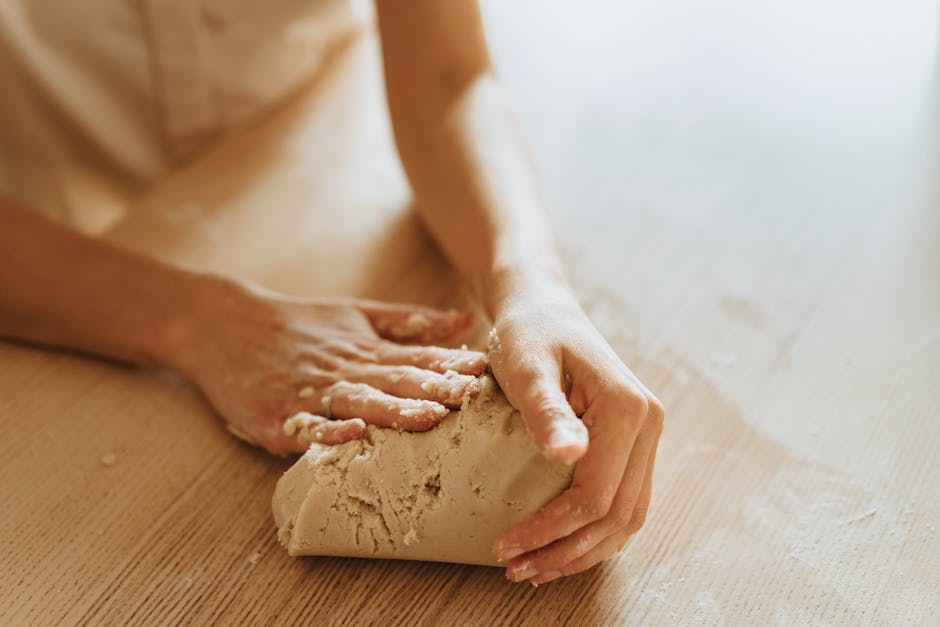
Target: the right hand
pixel 261 358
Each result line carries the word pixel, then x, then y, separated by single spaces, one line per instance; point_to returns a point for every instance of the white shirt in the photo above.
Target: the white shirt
pixel 100 98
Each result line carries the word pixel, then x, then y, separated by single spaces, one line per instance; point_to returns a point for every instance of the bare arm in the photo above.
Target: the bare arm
pixel 258 357
pixel 477 192
pixel 60 288
pixel 474 182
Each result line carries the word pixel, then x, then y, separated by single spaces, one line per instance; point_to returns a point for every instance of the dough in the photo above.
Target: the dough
pixel 443 495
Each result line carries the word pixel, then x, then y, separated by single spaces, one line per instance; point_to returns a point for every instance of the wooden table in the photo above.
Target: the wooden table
pixel 748 201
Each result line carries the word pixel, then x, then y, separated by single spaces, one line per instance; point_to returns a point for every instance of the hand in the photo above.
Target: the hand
pixel 261 358
pixel 554 366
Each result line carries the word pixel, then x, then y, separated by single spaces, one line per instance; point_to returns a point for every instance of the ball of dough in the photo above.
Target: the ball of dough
pixel 443 495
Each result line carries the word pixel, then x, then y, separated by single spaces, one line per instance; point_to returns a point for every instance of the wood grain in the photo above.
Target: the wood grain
pixel 748 201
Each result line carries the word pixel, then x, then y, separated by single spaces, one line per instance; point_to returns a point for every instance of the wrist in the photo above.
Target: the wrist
pixel 519 285
pixel 195 303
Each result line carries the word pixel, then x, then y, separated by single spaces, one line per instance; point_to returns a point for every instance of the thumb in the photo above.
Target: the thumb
pixel 537 392
pixel 415 323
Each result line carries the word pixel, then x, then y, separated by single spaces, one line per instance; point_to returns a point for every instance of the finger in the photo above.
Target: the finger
pixel 448 389
pixel 642 507
pixel 597 477
pixel 339 431
pixel 241 435
pixel 434 358
pixel 305 428
pixel 621 516
pixel 271 439
pixel 414 323
pixel 612 544
pixel 606 547
pixel 360 400
pixel 283 440
pixel 534 387
pixel 609 546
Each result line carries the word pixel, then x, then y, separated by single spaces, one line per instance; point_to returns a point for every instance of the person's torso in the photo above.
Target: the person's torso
pixel 100 98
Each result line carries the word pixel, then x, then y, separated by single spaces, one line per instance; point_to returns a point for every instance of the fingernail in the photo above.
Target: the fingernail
pixel 566 433
pixel 549 575
pixel 521 574
pixel 506 554
pixel 417 322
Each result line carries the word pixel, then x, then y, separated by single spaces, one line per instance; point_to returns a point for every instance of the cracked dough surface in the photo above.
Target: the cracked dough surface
pixel 442 495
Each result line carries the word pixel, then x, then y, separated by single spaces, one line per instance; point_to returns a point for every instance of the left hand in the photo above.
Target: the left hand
pixel 555 367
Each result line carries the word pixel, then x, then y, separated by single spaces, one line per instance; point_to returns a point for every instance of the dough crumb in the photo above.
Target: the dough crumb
pixel 423 408
pixel 450 386
pixel 458 362
pixel 108 459
pixel 494 347
pixel 306 392
pixel 304 425
pixel 254 557
pixel 415 324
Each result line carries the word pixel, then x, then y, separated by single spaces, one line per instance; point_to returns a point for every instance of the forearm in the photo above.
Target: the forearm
pixel 61 288
pixel 474 183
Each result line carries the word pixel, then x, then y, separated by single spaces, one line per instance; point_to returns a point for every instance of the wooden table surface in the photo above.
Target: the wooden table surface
pixel 748 201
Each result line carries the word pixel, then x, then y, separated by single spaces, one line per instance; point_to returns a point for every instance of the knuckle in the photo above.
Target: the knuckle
pixel 549 557
pixel 312 374
pixel 591 512
pixel 367 349
pixel 656 414
pixel 580 548
pixel 637 520
pixel 654 407
pixel 329 363
pixel 595 507
pixel 580 565
pixel 547 406
pixel 620 519
pixel 634 402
